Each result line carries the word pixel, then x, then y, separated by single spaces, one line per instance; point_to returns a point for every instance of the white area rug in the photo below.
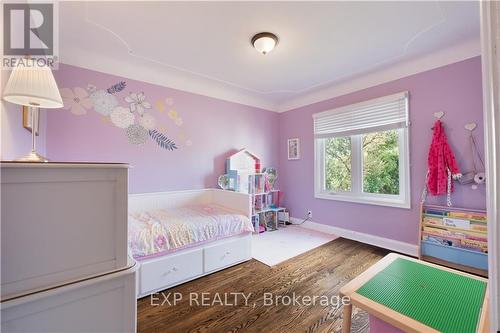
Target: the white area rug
pixel 274 247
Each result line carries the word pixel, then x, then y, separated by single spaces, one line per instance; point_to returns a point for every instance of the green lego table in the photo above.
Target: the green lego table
pixel 413 295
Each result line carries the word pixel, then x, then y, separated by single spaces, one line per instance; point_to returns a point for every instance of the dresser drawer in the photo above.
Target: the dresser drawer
pixel 227 253
pixel 166 271
pixel 103 304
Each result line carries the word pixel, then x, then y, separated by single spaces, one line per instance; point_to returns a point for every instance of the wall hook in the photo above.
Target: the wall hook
pixel 439 114
pixel 470 126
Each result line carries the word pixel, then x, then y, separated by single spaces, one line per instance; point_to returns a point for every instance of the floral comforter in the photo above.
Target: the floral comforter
pixel 154 233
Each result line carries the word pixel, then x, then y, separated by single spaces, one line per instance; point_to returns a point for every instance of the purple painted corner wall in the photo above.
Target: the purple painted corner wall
pixel 208 130
pixel 454 89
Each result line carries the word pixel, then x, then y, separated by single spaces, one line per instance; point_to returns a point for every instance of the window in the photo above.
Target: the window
pixel 362 152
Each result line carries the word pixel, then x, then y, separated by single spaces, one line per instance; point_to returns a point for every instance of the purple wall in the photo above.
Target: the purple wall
pixel 217 128
pixel 454 89
pixel 214 127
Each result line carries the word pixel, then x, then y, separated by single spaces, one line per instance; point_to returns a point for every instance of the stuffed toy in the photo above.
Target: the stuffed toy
pixel 442 166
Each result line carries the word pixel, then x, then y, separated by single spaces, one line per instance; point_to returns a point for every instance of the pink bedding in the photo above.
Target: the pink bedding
pixel 154 233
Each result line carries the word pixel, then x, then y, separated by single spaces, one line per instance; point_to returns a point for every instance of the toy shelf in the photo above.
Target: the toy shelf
pixel 454 237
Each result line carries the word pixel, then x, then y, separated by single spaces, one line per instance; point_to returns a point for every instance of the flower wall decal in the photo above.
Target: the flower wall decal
pixel 137 102
pixel 172 114
pixel 122 117
pixel 160 106
pixel 139 125
pixel 103 101
pixel 76 100
pixel 136 134
pixel 169 101
pixel 179 122
pixel 147 121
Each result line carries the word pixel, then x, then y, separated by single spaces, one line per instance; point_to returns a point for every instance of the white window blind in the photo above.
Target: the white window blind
pixel 380 114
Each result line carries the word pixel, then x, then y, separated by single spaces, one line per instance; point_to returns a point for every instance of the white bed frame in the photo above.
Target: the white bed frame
pixel 166 271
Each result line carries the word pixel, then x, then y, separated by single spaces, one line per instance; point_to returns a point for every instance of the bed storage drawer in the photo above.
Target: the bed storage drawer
pixel 61 223
pixel 227 253
pixel 169 270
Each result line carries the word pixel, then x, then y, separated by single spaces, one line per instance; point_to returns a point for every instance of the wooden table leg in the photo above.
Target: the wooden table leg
pixel 346 318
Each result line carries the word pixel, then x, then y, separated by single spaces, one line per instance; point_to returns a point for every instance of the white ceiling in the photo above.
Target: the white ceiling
pixel 204 47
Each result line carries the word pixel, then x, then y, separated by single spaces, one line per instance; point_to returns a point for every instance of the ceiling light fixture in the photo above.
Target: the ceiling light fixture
pixel 264 42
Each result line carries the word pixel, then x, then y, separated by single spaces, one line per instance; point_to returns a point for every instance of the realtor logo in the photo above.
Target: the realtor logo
pixel 29 29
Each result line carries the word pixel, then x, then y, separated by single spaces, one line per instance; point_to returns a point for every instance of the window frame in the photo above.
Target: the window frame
pixel 356 195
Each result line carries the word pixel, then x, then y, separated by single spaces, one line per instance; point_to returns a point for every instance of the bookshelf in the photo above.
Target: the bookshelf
pixel 454 237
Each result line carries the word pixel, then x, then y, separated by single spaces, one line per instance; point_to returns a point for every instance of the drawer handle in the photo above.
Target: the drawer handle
pixel 174 269
pixel 226 254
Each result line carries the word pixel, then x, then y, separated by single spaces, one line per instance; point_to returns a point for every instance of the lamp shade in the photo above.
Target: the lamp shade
pixel 32 85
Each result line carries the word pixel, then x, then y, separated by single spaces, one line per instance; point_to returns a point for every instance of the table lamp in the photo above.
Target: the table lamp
pixel 34 86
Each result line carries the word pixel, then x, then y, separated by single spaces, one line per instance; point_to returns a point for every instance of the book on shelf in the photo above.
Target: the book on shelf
pixel 480 217
pixel 469 244
pixel 454 233
pixel 256 183
pixel 455 222
pixel 455 227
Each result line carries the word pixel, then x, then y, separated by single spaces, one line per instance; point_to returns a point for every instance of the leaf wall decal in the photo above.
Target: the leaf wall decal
pixel 162 140
pixel 117 87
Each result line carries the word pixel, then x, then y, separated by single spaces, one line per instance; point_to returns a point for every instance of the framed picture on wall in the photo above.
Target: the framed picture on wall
pixel 293 149
pixel 27 120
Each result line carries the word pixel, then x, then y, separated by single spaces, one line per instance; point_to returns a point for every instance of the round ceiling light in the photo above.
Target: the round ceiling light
pixel 264 42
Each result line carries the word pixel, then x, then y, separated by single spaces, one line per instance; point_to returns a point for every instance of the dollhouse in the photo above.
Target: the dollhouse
pixel 244 174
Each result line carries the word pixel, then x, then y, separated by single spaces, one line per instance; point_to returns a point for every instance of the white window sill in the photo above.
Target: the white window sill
pixel 370 200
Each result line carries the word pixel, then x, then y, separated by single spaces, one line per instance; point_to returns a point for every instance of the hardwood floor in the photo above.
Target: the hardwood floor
pixel 320 272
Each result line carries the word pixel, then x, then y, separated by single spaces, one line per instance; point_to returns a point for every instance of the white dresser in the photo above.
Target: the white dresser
pixel 64 248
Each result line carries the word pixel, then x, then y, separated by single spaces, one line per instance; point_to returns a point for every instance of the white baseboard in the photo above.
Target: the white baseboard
pixel 386 243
